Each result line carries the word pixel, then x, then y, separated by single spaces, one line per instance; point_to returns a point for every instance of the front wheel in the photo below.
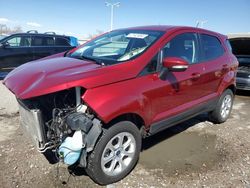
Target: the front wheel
pixel 223 108
pixel 115 154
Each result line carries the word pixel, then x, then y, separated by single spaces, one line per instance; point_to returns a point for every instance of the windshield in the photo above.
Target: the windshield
pixel 117 46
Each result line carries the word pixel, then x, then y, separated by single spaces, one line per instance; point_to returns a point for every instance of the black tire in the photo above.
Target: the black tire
pixel 94 168
pixel 216 115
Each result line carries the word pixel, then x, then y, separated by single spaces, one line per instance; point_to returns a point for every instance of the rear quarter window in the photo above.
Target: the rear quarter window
pixel 228 45
pixel 62 41
pixel 211 47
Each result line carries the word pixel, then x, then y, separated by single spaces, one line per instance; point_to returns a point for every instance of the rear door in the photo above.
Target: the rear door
pixel 215 62
pixel 42 46
pixel 16 53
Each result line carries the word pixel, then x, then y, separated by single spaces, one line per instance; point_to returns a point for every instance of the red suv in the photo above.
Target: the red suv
pixel 92 106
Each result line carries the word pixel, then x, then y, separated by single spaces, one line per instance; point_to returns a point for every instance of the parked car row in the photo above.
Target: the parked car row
pixel 20 48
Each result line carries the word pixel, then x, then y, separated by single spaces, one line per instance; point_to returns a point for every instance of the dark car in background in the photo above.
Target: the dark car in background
pixel 20 48
pixel 241 49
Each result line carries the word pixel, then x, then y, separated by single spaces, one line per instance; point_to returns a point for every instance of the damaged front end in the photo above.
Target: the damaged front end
pixel 61 125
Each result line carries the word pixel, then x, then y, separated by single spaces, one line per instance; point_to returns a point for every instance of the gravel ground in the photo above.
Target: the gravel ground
pixel 196 153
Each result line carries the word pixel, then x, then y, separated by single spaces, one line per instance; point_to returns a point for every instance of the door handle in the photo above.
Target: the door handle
pixel 195 76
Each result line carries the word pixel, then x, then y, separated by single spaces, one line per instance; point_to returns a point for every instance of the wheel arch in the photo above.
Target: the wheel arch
pixel 232 87
pixel 132 117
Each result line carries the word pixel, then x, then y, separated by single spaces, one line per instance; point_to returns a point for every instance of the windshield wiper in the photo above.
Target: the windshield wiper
pixel 97 61
pixel 66 53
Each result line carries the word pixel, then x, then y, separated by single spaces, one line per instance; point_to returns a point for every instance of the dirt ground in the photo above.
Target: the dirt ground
pixel 196 153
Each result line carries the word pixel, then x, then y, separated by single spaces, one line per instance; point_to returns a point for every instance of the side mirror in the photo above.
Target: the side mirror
pixel 175 64
pixel 4 44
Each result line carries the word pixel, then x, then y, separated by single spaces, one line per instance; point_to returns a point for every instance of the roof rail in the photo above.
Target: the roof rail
pixel 50 32
pixel 32 31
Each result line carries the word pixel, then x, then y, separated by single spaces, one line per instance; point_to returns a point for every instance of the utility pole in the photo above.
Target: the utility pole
pixel 1 28
pixel 112 5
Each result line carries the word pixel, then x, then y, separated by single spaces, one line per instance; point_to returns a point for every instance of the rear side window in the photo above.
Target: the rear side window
pixel 37 41
pixel 61 42
pixel 43 41
pixel 48 41
pixel 211 47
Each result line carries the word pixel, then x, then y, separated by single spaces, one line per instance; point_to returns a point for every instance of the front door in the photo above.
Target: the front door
pixel 14 53
pixel 176 92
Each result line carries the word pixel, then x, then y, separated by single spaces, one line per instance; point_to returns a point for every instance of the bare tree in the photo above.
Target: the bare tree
pixel 4 29
pixel 17 29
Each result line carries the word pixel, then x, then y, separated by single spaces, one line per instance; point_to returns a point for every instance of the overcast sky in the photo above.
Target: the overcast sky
pixel 83 17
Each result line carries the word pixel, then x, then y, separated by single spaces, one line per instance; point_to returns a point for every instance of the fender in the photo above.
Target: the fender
pixel 111 101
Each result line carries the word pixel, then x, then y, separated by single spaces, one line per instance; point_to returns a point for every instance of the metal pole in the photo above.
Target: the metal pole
pixel 112 6
pixel 201 23
pixel 112 17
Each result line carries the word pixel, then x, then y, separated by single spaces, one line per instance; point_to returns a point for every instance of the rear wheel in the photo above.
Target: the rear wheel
pixel 115 154
pixel 223 109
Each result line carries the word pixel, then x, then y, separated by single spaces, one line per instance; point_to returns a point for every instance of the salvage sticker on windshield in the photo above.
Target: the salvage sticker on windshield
pixel 137 35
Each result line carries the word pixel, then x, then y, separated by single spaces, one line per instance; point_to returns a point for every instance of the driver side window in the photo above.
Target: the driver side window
pixel 14 42
pixel 19 41
pixel 183 46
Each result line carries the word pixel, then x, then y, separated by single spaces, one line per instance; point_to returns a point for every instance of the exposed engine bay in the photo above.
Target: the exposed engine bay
pixel 62 126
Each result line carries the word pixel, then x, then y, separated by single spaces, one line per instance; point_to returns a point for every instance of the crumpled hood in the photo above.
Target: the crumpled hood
pixel 54 74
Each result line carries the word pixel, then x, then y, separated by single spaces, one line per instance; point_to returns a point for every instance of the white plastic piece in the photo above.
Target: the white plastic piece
pixel 137 35
pixel 70 149
pixel 76 140
pixel 81 108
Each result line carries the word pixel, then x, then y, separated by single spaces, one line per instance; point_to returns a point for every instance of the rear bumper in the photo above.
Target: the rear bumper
pixel 32 123
pixel 243 83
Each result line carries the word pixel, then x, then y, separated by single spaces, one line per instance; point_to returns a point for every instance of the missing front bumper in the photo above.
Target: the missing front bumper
pixel 32 123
